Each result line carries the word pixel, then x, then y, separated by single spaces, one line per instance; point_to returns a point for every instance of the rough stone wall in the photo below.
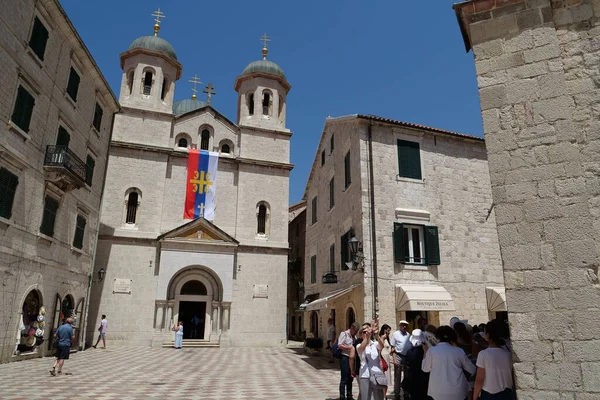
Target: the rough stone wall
pixel 537 70
pixel 28 260
pixel 296 267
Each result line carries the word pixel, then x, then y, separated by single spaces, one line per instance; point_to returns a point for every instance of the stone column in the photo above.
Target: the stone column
pixel 159 313
pixel 536 63
pixel 214 320
pixel 169 319
pixel 226 311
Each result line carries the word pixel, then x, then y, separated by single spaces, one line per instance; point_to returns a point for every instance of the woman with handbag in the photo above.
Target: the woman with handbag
pixel 178 335
pixel 387 362
pixel 372 379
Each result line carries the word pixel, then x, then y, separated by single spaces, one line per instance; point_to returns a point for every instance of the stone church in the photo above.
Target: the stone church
pixel 225 279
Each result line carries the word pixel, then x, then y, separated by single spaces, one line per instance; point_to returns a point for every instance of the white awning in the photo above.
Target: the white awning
pixel 496 298
pixel 423 298
pixel 325 301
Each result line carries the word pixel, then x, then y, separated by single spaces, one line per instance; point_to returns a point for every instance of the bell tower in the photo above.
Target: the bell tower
pixel 150 69
pixel 262 89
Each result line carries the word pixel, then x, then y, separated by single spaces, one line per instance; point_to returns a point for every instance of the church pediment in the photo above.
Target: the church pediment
pixel 199 229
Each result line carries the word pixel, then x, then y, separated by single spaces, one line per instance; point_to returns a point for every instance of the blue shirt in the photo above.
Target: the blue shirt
pixel 64 334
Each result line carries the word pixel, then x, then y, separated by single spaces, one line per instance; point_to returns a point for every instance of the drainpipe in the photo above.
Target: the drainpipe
pixel 373 229
pixel 89 293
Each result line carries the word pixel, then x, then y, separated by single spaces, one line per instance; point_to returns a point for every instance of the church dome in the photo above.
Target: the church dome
pixel 154 43
pixel 265 66
pixel 186 105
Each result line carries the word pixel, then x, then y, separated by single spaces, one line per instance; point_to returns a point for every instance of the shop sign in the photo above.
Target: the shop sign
pixel 433 305
pixel 330 278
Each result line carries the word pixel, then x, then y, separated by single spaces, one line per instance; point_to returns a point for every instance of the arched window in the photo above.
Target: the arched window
pixel 350 317
pixel 130 81
pixel 226 146
pixel 267 103
pixel 132 207
pixel 148 82
pixel 250 103
pixel 314 323
pixel 182 143
pixel 204 139
pixel 194 288
pixel 225 149
pixel 165 88
pixel 263 217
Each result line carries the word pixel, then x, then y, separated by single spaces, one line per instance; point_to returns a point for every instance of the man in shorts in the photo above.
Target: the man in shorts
pixel 102 332
pixel 64 334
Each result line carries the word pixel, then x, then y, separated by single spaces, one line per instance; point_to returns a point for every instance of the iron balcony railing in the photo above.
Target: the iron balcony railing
pixel 61 156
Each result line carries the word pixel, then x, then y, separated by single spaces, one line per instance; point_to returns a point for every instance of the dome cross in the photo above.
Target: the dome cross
pixel 264 38
pixel 209 90
pixel 158 14
pixel 196 81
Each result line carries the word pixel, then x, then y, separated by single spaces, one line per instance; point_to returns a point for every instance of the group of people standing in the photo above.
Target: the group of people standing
pixel 452 362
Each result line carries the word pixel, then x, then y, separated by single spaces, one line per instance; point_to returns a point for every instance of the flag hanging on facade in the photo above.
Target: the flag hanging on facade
pixel 201 185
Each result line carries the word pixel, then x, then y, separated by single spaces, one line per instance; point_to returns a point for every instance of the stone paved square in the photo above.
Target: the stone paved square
pixel 146 373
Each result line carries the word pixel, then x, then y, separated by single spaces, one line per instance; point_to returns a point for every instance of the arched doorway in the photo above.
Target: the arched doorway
pixel 350 317
pixel 31 327
pixel 195 291
pixel 314 324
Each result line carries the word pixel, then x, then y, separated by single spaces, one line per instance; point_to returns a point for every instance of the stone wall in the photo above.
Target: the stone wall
pixel 537 71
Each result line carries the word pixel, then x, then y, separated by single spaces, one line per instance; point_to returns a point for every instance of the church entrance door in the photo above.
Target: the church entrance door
pixel 193 316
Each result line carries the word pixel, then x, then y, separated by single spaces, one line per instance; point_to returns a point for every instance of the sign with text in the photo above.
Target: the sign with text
pixel 329 278
pixel 122 286
pixel 261 292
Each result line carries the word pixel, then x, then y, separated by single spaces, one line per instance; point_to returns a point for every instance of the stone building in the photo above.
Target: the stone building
pixel 225 279
pixel 418 200
pixel 56 115
pixel 537 71
pixel 295 295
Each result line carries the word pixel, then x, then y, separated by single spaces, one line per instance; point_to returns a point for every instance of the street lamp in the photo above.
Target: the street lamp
pixel 356 256
pixel 101 273
pixel 353 244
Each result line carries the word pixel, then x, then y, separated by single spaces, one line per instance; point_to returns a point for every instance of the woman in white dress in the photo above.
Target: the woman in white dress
pixel 384 336
pixel 178 335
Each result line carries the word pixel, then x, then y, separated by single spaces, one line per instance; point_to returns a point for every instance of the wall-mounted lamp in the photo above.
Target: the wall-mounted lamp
pixel 101 274
pixel 357 257
pixel 239 267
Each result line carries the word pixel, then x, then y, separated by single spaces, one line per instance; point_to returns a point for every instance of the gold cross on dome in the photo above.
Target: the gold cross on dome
pixel 158 14
pixel 264 38
pixel 196 81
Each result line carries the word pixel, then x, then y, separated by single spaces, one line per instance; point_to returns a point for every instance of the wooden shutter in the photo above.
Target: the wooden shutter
pixel 313 269
pixel 39 38
pixel 23 109
pixel 73 85
pixel 332 258
pixel 63 138
pixel 79 232
pixel 347 172
pixel 344 251
pixel 98 112
pixel 89 170
pixel 331 193
pixel 8 188
pixel 409 159
pixel 432 246
pixel 49 217
pixel 314 210
pixel 399 254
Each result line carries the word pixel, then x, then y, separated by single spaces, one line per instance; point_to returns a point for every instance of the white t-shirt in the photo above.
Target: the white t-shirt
pixel 331 332
pixel 446 363
pixel 497 363
pixel 400 342
pixel 104 325
pixel 369 359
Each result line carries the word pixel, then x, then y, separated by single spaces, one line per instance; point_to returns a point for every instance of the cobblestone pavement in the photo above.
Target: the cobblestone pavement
pixel 145 373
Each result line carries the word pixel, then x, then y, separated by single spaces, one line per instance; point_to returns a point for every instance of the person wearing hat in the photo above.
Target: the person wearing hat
pixel 400 345
pixel 64 334
pixel 416 380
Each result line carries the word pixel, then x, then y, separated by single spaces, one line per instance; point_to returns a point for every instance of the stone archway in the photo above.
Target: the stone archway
pixel 30 333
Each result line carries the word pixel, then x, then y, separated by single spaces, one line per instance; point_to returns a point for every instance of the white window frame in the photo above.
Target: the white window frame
pixel 411 244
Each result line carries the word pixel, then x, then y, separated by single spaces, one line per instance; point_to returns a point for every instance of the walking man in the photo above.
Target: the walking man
pixel 345 342
pixel 64 334
pixel 102 332
pixel 399 347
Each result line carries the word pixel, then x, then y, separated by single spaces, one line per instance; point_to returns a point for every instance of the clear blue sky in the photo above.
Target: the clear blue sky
pixel 396 59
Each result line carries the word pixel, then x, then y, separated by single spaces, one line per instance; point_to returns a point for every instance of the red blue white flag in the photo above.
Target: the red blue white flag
pixel 201 184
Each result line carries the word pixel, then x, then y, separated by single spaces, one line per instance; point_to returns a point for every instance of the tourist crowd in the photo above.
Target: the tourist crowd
pixel 422 362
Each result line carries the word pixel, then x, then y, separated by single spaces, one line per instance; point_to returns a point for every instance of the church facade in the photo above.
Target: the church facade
pixel 223 278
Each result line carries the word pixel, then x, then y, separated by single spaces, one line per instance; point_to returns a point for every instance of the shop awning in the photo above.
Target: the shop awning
pixel 496 298
pixel 423 298
pixel 324 302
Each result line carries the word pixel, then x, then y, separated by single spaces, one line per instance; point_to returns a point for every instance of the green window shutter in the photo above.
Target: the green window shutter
pixel 331 193
pixel 347 172
pixel 344 251
pixel 399 239
pixel 98 112
pixel 313 269
pixel 79 232
pixel 432 246
pixel 332 258
pixel 23 109
pixel 8 188
pixel 89 170
pixel 49 217
pixel 314 210
pixel 73 85
pixel 63 138
pixel 409 159
pixel 39 38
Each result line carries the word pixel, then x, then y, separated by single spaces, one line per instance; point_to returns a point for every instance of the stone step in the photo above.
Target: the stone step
pixel 191 343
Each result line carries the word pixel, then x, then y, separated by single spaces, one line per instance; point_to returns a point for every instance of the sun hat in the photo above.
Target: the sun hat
pixel 402 322
pixel 417 338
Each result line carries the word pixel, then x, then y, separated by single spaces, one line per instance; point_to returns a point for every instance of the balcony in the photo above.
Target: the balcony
pixel 63 168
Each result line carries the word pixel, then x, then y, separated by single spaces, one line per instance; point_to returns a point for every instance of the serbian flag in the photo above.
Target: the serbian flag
pixel 201 185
